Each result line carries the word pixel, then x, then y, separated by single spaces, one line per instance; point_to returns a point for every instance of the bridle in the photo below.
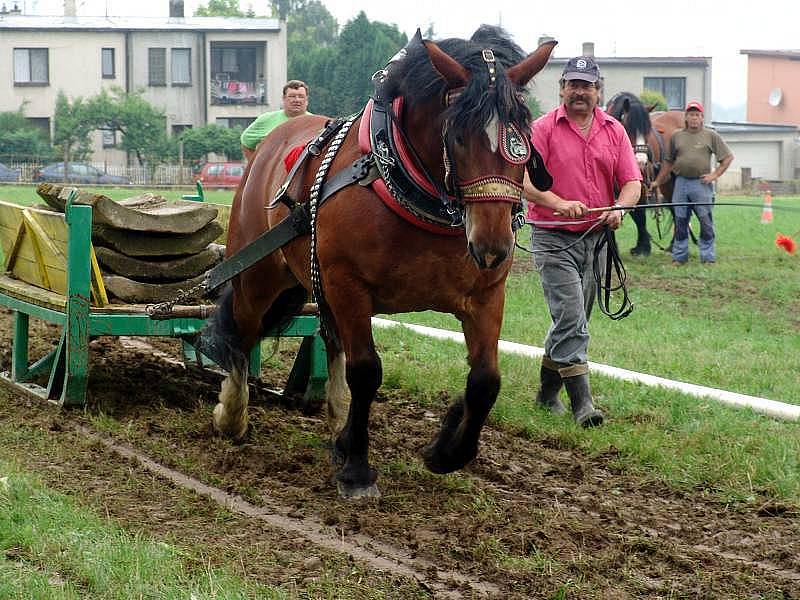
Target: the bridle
pixel 514 147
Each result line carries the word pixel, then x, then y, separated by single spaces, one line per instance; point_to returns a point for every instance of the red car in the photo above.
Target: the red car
pixel 220 174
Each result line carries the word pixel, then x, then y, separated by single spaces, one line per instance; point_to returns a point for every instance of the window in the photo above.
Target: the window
pixel 179 129
pixel 181 66
pixel 43 123
pixel 109 138
pixel 672 88
pixel 157 66
pixel 235 122
pixel 107 63
pixel 31 66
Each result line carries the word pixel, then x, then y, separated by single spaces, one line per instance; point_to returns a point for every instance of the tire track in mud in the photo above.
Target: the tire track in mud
pixel 492 471
pixel 366 549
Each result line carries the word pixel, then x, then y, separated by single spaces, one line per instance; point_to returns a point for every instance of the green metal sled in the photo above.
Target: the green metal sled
pixel 64 287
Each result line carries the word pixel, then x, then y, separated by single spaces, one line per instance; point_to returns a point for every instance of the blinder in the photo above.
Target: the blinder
pixel 537 171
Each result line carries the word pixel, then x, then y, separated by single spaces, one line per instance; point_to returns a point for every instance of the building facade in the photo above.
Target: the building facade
pixel 198 70
pixel 678 79
pixel 773 86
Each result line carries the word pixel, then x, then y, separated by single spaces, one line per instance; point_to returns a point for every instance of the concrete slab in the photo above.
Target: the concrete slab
pixel 146 212
pixel 138 243
pixel 160 270
pixel 137 292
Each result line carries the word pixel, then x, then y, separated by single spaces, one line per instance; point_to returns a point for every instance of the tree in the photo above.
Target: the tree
pixel 534 106
pixel 72 127
pixel 220 8
pixel 655 99
pixel 142 125
pixel 363 47
pixel 20 140
pixel 211 138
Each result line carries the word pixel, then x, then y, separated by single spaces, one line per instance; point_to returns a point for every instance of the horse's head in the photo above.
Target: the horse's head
pixel 635 117
pixel 471 127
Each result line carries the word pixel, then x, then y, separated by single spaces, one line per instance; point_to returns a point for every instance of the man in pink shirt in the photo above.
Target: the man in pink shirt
pixel 589 155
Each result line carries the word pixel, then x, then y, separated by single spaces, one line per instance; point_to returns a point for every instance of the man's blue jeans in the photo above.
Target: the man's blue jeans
pixel 693 191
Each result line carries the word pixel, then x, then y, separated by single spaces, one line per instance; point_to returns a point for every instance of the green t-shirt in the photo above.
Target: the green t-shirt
pixel 690 151
pixel 258 129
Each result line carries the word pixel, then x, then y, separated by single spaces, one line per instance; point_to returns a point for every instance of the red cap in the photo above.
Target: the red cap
pixel 694 105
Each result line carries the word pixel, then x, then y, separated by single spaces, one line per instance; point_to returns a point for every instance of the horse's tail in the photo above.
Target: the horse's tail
pixel 219 340
pixel 286 305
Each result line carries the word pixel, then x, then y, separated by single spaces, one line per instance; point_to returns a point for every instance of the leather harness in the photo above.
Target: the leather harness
pixel 388 166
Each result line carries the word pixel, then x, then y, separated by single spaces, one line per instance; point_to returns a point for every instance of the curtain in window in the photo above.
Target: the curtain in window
pixel 22 65
pixel 156 66
pixel 181 69
pixel 39 65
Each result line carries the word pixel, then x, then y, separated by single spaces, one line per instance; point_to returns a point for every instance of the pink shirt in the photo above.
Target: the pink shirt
pixel 582 169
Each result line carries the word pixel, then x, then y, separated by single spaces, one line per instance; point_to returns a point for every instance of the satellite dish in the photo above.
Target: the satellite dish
pixel 775 97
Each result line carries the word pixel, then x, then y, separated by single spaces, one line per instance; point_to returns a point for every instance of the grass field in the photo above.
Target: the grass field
pixel 26 194
pixel 733 325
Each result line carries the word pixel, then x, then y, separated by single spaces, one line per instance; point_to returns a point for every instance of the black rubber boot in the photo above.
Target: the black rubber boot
pixel 583 411
pixel 550 385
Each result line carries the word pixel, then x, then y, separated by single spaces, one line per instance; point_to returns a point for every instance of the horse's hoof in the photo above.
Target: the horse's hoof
pixel 224 427
pixel 436 462
pixel 354 492
pixel 442 463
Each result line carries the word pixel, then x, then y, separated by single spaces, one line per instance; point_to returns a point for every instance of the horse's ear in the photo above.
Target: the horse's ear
pixel 651 107
pixel 453 72
pixel 522 72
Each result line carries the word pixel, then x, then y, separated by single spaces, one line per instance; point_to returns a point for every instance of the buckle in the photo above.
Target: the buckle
pixel 488 58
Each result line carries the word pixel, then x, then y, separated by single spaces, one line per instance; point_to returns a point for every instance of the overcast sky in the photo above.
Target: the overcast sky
pixel 617 27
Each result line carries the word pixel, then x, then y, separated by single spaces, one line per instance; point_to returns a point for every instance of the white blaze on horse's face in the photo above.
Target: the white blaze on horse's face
pixel 492 130
pixel 641 157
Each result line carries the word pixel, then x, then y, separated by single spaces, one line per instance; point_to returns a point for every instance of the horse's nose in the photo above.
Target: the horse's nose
pixel 487 258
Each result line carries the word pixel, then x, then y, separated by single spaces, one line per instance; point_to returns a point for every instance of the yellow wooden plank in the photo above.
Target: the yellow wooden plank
pixel 13 251
pixel 98 287
pixel 10 219
pixel 46 252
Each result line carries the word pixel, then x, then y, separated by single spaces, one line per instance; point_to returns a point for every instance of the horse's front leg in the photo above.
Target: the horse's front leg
pixel 363 374
pixel 457 442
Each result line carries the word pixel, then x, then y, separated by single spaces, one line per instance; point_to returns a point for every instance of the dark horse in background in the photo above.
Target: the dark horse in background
pixel 457 102
pixel 650 133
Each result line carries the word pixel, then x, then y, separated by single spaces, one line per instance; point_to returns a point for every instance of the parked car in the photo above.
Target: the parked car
pixel 79 172
pixel 8 174
pixel 220 174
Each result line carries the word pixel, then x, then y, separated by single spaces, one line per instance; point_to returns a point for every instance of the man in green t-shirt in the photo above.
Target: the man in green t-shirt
pixel 295 103
pixel 689 157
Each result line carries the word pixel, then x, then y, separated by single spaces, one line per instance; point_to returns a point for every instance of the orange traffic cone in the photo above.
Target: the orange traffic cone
pixel 766 213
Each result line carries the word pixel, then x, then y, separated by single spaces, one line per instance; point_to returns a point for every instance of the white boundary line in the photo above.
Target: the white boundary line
pixel 773 408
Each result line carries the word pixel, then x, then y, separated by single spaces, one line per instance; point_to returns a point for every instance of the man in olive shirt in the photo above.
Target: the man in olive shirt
pixel 295 103
pixel 689 157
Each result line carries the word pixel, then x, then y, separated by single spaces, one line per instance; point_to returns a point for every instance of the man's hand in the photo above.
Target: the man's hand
pixel 612 218
pixel 708 178
pixel 570 208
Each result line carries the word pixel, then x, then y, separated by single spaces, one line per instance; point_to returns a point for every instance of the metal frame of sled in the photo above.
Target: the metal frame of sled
pixel 68 291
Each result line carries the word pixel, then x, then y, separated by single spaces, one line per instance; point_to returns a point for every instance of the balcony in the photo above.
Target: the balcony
pixel 231 91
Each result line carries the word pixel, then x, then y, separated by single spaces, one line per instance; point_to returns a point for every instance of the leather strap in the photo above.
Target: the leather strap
pixel 296 224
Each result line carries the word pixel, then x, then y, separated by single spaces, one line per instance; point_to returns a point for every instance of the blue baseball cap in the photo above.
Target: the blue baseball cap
pixel 583 68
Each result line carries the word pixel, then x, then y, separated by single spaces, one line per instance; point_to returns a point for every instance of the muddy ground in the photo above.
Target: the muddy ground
pixel 528 519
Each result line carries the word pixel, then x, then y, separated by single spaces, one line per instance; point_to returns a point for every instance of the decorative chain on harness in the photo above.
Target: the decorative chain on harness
pixel 313 201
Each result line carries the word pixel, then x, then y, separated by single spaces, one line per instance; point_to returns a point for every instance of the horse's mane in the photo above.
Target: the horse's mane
pixel 638 119
pixel 417 81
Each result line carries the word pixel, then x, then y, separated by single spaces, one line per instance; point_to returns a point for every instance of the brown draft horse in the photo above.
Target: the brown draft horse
pixel 373 261
pixel 650 133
